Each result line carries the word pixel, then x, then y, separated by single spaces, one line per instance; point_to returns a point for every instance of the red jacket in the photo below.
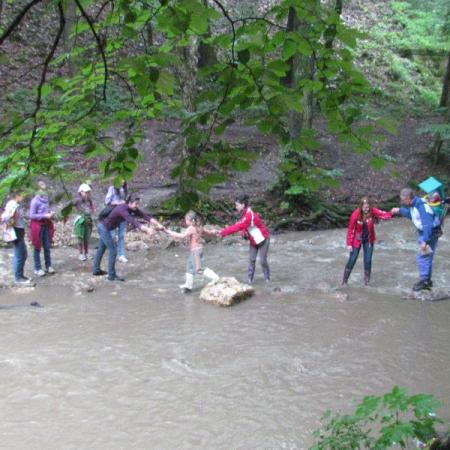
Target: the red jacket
pixel 35 232
pixel 355 226
pixel 244 224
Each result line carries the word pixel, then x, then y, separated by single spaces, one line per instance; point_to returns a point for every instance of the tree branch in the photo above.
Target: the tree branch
pixel 99 45
pixel 15 23
pixel 233 29
pixel 62 23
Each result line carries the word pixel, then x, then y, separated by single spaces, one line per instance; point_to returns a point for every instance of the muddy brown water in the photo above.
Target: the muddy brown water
pixel 140 366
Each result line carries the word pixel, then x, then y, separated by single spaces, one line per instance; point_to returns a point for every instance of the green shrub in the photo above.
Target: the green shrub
pixel 380 423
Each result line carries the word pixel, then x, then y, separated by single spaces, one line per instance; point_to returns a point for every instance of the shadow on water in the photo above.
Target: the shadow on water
pixel 138 365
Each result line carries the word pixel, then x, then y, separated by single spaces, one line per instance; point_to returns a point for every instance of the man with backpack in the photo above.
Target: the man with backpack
pixel 109 220
pixel 428 225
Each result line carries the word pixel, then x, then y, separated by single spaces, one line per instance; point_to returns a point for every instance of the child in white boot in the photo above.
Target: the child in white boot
pixel 193 234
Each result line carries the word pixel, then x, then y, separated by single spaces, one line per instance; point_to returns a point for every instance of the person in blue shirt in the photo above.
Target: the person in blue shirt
pixel 429 230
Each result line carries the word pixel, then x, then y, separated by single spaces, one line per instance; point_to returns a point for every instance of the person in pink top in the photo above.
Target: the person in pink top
pixel 195 264
pixel 251 226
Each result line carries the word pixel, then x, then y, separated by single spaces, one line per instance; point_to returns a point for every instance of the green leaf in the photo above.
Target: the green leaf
pixel 289 49
pixel 244 56
pixel 166 83
pixel 279 67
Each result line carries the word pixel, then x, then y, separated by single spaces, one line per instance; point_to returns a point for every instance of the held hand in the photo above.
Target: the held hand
pixel 423 246
pixel 159 226
pixel 395 211
pixel 49 215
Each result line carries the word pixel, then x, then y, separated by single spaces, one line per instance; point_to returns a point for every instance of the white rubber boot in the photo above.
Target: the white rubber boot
pixel 189 283
pixel 208 273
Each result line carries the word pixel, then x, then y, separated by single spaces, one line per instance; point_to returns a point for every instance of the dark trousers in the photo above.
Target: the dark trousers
pixel 367 254
pixel 83 243
pixel 106 242
pixel 45 243
pixel 20 253
pixel 263 250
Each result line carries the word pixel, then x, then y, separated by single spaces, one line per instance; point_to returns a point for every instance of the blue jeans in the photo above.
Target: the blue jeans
pixel 106 242
pixel 120 233
pixel 367 253
pixel 425 262
pixel 45 243
pixel 195 261
pixel 20 253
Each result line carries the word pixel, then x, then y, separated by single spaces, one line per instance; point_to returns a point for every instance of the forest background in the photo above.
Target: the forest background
pixel 306 105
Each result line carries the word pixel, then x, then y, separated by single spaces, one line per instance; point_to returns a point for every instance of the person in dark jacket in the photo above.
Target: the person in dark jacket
pixel 125 212
pixel 361 233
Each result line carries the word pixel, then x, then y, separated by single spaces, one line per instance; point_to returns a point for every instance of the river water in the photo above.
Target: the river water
pixel 139 365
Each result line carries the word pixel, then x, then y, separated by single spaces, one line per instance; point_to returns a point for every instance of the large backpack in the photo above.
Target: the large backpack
pixel 104 213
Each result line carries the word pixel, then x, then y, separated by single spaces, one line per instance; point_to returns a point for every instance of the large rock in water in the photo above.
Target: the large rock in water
pixel 226 291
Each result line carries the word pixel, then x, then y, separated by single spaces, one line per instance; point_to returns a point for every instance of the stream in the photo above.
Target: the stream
pixel 139 365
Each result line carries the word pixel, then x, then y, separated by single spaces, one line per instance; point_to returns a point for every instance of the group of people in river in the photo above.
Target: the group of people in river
pixel 122 209
pixel 428 224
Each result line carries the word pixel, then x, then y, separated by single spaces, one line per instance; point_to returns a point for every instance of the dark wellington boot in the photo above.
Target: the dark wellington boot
pixel 366 277
pixel 346 276
pixel 422 285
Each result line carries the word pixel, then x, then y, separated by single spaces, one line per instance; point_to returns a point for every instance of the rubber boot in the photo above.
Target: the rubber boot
pixel 208 273
pixel 189 283
pixel 346 276
pixel 250 274
pixel 366 277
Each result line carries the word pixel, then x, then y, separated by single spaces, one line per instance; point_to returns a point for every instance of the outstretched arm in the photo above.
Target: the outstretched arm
pixel 182 235
pixel 211 233
pixel 380 214
pixel 242 225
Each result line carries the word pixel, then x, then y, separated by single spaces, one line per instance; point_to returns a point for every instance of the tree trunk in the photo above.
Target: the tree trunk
pixel 295 121
pixel 70 13
pixel 443 103
pixel 187 74
pixel 206 53
pixel 300 68
pixel 445 86
pixel 330 33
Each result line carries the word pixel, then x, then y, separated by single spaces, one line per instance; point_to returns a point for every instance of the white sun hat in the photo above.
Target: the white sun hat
pixel 84 187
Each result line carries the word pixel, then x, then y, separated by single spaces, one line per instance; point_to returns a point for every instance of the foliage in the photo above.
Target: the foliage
pixel 122 80
pixel 405 52
pixel 380 423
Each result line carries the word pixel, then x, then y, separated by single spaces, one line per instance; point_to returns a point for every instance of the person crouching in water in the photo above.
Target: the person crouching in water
pixel 250 225
pixel 107 225
pixel 429 230
pixel 361 232
pixel 195 264
pixel 82 226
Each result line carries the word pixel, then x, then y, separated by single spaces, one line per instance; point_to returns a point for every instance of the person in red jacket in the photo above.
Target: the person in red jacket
pixel 251 226
pixel 361 232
